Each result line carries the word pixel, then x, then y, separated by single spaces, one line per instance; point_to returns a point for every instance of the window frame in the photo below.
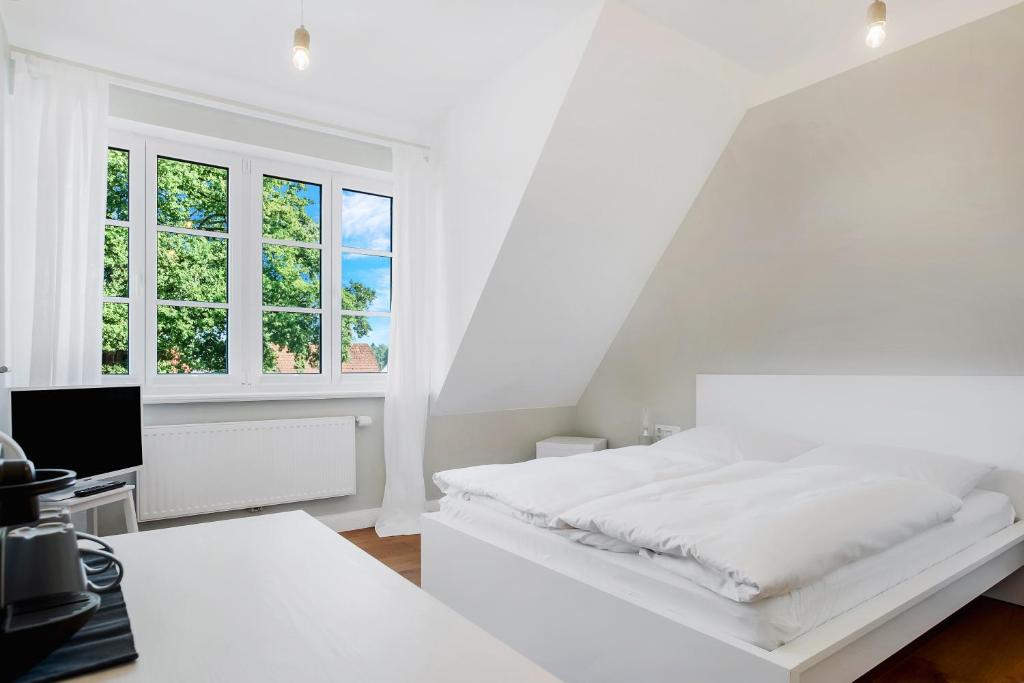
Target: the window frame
pixel 356 184
pixel 136 255
pixel 235 237
pixel 324 378
pixel 246 164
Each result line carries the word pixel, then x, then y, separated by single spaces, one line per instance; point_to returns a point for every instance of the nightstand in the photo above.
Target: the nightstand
pixel 559 446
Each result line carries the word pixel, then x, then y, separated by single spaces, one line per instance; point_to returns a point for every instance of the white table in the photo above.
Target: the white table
pixel 283 598
pixel 91 504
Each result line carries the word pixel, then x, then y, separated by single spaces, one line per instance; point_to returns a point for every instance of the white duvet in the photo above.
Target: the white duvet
pixel 753 529
pixel 537 491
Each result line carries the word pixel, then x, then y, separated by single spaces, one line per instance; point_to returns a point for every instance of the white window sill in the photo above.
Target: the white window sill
pixel 237 396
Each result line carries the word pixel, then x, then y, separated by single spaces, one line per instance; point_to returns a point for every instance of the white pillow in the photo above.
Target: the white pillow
pixel 731 444
pixel 947 472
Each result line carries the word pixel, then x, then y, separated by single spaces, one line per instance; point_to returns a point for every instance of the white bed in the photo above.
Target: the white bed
pixel 766 623
pixel 591 615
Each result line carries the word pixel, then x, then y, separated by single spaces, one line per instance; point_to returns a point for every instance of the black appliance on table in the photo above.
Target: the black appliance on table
pixel 47 590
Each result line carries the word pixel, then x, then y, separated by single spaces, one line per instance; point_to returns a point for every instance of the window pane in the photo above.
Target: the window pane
pixel 365 221
pixel 115 261
pixel 291 210
pixel 117 184
pixel 291 276
pixel 364 343
pixel 115 339
pixel 191 340
pixel 367 282
pixel 191 195
pixel 291 342
pixel 191 268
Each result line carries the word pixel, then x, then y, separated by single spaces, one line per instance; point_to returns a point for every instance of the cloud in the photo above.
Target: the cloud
pixel 366 221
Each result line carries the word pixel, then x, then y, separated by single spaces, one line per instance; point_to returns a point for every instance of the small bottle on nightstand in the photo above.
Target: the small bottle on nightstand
pixel 645 438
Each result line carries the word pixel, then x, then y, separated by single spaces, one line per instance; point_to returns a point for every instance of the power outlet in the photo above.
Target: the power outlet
pixel 664 431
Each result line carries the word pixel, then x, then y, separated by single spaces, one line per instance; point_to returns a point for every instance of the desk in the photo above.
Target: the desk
pixel 124 495
pixel 283 598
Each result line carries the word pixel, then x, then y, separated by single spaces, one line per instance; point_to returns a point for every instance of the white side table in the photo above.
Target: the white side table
pixel 559 446
pixel 91 504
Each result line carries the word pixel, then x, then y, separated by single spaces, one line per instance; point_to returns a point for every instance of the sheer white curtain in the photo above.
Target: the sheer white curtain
pixel 408 392
pixel 54 259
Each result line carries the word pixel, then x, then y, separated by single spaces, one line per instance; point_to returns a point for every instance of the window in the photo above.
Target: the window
pixel 252 276
pixel 191 267
pixel 291 259
pixel 366 281
pixel 116 291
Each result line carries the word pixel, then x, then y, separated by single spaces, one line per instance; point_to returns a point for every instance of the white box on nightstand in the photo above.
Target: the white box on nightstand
pixel 558 446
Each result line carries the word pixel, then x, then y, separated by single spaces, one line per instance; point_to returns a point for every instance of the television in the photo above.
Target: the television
pixel 95 431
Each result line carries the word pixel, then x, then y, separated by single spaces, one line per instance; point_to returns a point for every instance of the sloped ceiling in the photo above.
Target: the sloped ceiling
pixel 491 145
pixel 640 128
pixel 656 96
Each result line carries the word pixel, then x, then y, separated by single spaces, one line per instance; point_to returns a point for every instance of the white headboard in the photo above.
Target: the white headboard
pixel 980 418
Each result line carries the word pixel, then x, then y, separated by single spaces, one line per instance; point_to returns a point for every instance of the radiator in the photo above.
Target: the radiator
pixel 193 469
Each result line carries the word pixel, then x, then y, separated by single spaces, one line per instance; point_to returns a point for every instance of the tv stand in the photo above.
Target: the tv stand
pixel 91 504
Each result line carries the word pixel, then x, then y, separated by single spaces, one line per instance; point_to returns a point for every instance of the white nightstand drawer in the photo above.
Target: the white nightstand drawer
pixel 558 446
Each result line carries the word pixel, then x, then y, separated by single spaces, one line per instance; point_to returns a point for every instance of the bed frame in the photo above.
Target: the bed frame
pixel 582 633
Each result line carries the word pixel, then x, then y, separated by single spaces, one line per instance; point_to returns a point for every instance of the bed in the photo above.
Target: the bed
pixel 591 615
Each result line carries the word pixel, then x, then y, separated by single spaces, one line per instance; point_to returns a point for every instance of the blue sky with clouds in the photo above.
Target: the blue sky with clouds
pixel 366 224
pixel 365 221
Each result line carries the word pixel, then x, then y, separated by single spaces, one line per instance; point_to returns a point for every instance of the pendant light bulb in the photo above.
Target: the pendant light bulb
pixel 300 49
pixel 876 24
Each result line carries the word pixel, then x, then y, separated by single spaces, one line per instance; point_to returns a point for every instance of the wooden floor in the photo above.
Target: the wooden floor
pixel 982 643
pixel 400 553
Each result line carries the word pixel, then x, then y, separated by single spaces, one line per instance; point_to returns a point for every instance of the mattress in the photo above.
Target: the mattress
pixel 767 623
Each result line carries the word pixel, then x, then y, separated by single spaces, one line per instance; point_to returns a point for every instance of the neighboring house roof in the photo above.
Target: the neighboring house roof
pixel 360 359
pixel 286 361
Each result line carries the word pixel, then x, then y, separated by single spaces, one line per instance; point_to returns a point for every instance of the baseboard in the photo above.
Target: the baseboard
pixel 349 521
pixel 362 519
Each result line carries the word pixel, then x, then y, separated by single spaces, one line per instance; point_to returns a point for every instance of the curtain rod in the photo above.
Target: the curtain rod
pixel 224 103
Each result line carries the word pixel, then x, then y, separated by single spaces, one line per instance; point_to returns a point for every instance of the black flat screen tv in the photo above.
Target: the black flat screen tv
pixel 92 430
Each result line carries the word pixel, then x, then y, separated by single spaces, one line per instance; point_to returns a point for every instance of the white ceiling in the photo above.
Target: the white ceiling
pixel 388 66
pixel 396 66
pixel 789 44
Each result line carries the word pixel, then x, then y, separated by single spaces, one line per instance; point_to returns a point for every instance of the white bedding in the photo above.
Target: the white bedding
pixel 766 623
pixel 537 491
pixel 752 530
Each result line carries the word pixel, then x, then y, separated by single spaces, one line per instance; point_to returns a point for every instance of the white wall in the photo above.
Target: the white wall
pixel 869 224
pixel 645 118
pixel 5 85
pixel 490 146
pixel 483 438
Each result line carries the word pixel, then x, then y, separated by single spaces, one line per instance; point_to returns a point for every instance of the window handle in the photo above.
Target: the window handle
pixel 3 369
